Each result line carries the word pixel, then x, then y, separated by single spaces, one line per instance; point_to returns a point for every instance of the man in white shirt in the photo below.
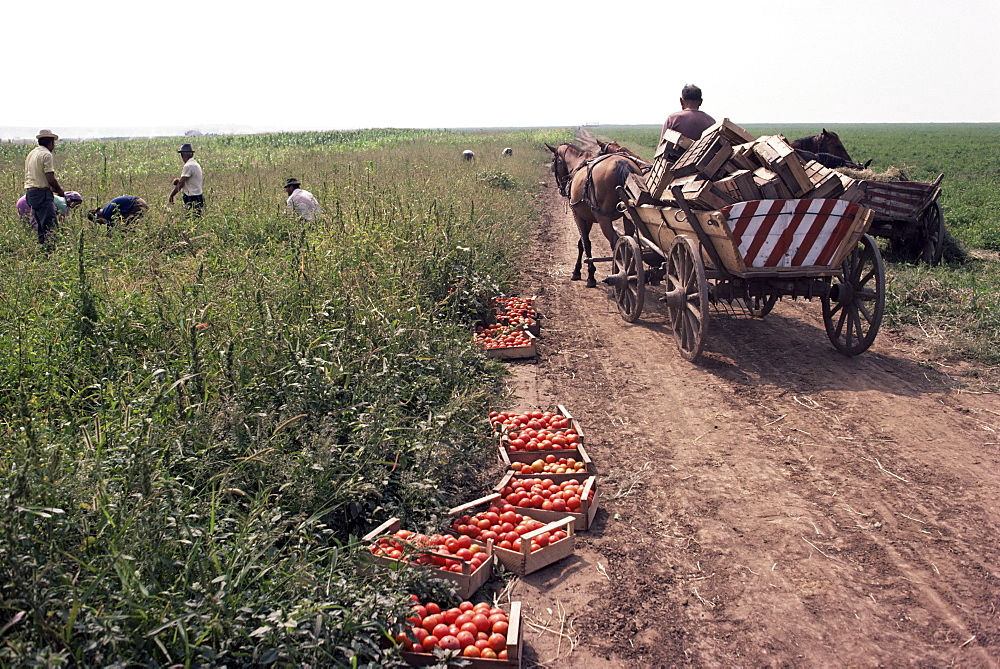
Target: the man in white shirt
pixel 301 202
pixel 190 182
pixel 41 185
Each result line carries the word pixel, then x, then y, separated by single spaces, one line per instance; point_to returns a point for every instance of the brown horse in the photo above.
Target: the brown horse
pixel 566 159
pixel 825 142
pixel 594 199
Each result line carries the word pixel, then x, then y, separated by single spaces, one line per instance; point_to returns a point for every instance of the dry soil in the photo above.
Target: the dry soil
pixel 774 503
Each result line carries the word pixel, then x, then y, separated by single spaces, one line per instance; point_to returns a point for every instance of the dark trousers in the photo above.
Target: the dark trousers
pixel 43 207
pixel 195 203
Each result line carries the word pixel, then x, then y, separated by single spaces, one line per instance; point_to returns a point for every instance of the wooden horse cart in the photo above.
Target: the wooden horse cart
pixel 754 253
pixel 907 213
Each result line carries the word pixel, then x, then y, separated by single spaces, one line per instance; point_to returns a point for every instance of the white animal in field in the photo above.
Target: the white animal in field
pixel 508 151
pixel 468 156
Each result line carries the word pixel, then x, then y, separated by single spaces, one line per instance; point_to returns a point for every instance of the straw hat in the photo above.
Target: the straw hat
pixel 42 134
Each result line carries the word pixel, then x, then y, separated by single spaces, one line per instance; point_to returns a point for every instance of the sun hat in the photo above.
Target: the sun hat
pixel 46 133
pixel 185 148
pixel 292 181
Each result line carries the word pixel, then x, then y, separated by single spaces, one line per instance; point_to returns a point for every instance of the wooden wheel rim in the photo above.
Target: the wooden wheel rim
pixel 933 221
pixel 852 312
pixel 630 289
pixel 687 296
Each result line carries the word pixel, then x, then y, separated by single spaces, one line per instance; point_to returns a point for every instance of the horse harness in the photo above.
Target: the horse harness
pixel 590 192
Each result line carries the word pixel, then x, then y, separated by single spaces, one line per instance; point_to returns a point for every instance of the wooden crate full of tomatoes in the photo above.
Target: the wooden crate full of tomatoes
pixel 519 311
pixel 505 341
pixel 466 563
pixel 521 543
pixel 537 431
pixel 546 500
pixel 483 636
pixel 559 467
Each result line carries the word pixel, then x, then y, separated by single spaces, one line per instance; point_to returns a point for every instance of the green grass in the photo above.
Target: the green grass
pixel 200 416
pixel 957 301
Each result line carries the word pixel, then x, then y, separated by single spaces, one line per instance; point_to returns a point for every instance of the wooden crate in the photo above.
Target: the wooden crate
pixel 775 153
pixel 574 424
pixel 507 458
pixel 703 194
pixel 853 189
pixel 466 583
pixel 672 145
pixel 637 190
pixel 732 132
pixel 584 519
pixel 524 562
pixel 535 329
pixel 515 648
pixel 740 186
pixel 770 185
pixel 516 352
pixel 744 157
pixel 705 157
pixel 826 182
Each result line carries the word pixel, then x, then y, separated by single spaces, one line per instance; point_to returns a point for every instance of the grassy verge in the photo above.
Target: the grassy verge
pixel 952 309
pixel 200 416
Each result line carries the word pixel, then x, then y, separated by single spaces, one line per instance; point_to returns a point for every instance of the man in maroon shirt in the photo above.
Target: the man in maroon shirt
pixel 689 121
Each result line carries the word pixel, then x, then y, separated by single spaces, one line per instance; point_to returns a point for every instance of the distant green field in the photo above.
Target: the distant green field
pixel 953 308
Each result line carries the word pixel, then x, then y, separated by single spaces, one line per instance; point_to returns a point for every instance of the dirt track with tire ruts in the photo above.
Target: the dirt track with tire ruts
pixel 773 504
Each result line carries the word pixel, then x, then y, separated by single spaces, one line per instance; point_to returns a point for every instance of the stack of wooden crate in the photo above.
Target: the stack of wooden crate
pixel 728 165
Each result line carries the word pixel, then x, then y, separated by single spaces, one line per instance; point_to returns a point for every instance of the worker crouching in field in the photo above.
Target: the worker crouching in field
pixel 124 210
pixel 301 202
pixel 63 207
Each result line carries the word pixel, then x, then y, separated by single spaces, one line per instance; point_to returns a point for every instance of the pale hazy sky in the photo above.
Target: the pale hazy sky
pixel 446 64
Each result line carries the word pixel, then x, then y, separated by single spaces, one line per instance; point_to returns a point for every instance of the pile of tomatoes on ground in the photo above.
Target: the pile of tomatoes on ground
pixel 446 552
pixel 536 430
pixel 516 311
pixel 477 630
pixel 545 494
pixel 505 527
pixel 550 465
pixel 501 336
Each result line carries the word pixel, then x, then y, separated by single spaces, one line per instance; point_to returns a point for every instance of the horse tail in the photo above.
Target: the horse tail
pixel 623 168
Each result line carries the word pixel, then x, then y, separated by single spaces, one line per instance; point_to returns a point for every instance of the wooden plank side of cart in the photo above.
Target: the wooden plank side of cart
pixel 658 225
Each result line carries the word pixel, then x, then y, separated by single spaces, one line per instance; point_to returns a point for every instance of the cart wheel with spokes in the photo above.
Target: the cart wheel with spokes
pixel 852 311
pixel 932 221
pixel 628 278
pixel 687 296
pixel 760 306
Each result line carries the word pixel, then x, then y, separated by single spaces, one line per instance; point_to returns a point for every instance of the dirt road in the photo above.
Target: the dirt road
pixel 773 504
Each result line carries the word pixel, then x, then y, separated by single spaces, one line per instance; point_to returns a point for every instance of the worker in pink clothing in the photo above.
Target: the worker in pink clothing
pixel 690 121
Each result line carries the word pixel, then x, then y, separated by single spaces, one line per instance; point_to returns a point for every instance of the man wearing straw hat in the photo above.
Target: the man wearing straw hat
pixel 40 185
pixel 301 202
pixel 190 182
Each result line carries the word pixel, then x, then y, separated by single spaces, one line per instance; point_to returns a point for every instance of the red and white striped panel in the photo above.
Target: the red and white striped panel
pixel 789 233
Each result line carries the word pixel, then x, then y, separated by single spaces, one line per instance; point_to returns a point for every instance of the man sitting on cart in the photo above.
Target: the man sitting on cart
pixel 690 121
